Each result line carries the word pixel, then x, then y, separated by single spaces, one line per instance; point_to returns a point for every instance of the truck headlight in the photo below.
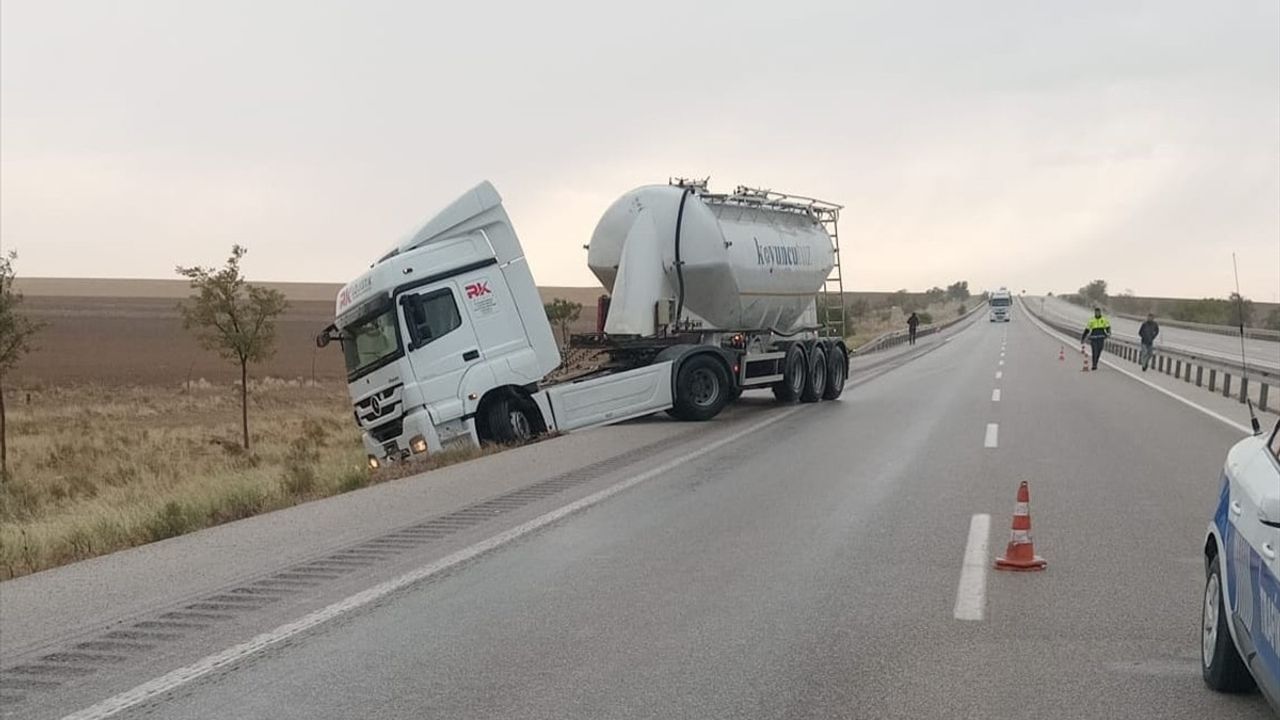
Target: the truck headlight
pixel 418 444
pixel 373 463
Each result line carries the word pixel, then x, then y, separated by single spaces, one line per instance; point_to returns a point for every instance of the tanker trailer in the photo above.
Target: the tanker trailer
pixel 447 344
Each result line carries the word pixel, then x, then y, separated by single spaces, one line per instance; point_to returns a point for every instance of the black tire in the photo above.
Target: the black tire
pixel 1220 662
pixel 702 389
pixel 815 377
pixel 837 373
pixel 788 389
pixel 512 420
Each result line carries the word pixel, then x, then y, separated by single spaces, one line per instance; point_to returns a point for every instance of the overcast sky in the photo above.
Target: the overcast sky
pixel 1033 144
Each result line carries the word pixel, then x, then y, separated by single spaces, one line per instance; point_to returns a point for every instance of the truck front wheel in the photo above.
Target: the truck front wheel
pixel 702 389
pixel 511 420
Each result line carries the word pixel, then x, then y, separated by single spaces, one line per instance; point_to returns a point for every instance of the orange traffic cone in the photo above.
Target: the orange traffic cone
pixel 1062 353
pixel 1084 360
pixel 1021 553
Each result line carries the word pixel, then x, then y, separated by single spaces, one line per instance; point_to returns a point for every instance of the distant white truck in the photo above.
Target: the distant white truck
pixel 447 343
pixel 1001 304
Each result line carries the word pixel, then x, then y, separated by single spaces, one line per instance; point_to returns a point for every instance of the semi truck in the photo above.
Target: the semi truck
pixel 447 343
pixel 1001 305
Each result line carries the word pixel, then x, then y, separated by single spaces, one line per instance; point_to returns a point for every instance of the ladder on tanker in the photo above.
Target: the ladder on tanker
pixel 832 309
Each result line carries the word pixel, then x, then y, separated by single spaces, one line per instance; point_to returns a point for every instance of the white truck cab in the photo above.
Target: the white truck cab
pixel 1001 306
pixel 431 327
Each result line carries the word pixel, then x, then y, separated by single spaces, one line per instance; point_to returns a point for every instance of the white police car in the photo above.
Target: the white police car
pixel 1241 615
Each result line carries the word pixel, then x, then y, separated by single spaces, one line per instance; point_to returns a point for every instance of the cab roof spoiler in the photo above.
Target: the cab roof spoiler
pixel 474 202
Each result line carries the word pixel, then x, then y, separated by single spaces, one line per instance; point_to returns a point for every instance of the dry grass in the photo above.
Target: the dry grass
pixel 94 469
pixel 881 320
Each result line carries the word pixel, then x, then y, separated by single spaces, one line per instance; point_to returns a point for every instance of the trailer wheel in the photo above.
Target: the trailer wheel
pixel 837 371
pixel 788 389
pixel 702 389
pixel 512 420
pixel 815 377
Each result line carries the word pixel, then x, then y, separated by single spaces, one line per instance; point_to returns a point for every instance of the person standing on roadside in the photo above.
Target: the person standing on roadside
pixel 1096 331
pixel 1147 334
pixel 913 322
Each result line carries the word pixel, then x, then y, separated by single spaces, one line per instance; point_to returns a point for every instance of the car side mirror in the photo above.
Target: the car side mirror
pixel 1269 511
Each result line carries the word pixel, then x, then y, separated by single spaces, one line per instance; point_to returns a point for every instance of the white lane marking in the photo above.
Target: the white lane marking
pixel 172 680
pixel 999 374
pixel 1189 403
pixel 993 435
pixel 971 593
pixel 995 395
pixel 1180 399
pixel 1001 363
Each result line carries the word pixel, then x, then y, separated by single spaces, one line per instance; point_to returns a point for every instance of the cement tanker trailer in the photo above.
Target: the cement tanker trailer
pixel 447 343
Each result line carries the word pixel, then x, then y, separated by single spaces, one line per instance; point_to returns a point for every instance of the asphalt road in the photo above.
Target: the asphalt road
pixel 1224 347
pixel 781 563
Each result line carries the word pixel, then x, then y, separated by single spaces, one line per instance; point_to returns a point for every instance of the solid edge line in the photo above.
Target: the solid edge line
pixel 971 593
pixel 177 678
pixel 1180 399
pixel 993 435
pixel 1189 403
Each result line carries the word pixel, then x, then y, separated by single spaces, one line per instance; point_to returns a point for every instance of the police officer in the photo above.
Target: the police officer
pixel 1096 331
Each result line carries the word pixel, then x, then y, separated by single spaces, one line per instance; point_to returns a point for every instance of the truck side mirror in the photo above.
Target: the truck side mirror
pixel 327 336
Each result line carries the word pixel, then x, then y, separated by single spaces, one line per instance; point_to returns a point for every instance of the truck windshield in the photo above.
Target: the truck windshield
pixel 999 302
pixel 371 342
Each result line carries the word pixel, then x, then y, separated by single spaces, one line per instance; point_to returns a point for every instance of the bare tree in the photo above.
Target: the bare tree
pixel 234 318
pixel 1095 292
pixel 563 313
pixel 958 290
pixel 16 331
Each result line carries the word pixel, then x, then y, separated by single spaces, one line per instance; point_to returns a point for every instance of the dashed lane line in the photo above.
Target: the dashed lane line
pixel 971 593
pixel 993 435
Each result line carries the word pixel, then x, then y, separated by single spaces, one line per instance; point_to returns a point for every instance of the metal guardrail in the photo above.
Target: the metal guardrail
pixel 1249 332
pixel 1252 333
pixel 1212 372
pixel 898 337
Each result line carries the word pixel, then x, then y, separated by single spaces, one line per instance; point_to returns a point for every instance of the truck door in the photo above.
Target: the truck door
pixel 441 346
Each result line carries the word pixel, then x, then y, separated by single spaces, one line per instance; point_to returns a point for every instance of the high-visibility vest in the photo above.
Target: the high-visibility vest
pixel 1098 326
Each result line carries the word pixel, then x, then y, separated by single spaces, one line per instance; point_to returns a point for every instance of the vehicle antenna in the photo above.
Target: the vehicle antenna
pixel 1244 363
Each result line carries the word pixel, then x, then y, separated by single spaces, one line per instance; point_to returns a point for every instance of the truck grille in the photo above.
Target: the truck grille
pixel 384 403
pixel 387 431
